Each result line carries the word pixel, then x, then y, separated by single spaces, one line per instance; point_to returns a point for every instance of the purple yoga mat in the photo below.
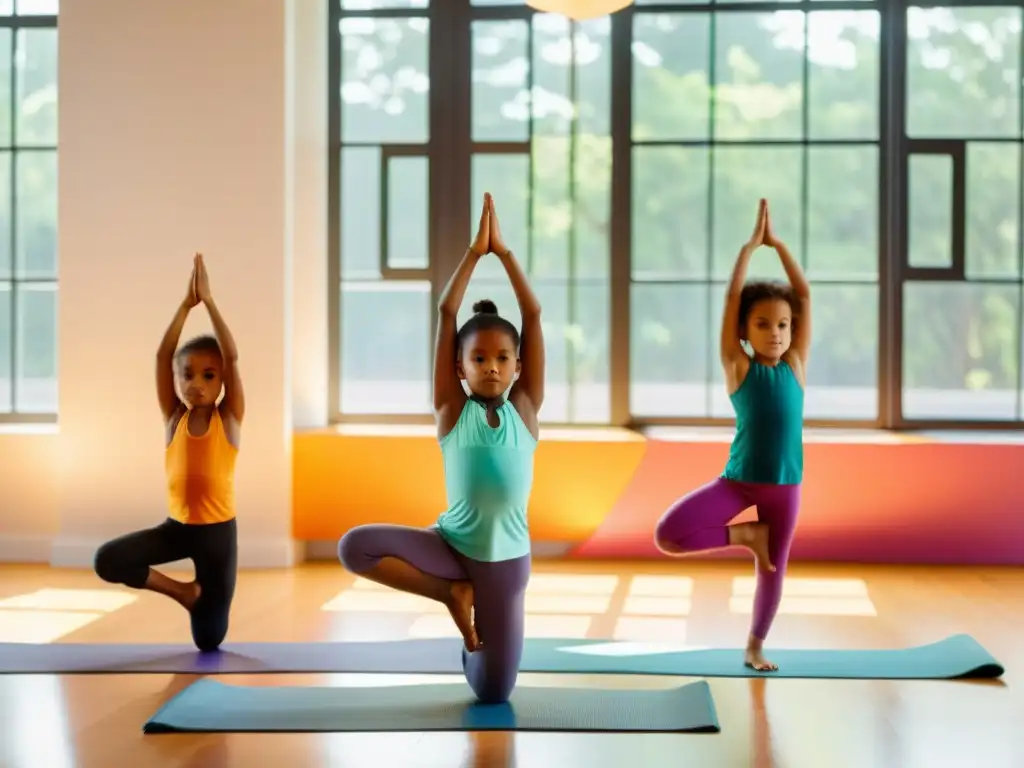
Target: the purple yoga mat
pixel 426 656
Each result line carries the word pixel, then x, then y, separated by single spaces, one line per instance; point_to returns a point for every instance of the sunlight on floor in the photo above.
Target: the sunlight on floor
pixel 47 615
pixel 809 597
pixel 569 627
pixel 652 609
pixel 650 628
pixel 34 735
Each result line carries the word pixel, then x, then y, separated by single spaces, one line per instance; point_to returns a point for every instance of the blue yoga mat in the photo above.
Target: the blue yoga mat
pixel 959 656
pixel 211 706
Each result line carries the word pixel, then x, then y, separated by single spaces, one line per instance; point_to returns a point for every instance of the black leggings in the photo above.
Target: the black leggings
pixel 213 550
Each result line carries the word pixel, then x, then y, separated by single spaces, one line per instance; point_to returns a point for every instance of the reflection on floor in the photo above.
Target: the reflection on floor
pixel 95 720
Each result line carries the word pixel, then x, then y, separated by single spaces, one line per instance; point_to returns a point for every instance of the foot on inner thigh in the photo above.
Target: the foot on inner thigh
pixel 460 606
pixel 753 536
pixel 754 657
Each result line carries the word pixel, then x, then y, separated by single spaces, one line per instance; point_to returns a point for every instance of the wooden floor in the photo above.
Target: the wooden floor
pixel 96 720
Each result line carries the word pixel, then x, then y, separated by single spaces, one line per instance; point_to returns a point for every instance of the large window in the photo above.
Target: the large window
pixel 626 156
pixel 961 299
pixel 28 209
pixel 782 105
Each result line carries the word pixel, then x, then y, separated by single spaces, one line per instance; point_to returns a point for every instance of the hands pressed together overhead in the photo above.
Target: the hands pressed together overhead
pixel 763 233
pixel 198 284
pixel 488 236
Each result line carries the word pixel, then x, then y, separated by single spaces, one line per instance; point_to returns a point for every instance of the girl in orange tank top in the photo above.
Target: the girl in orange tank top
pixel 202 438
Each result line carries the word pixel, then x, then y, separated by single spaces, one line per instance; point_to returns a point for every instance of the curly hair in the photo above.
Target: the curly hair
pixel 204 343
pixel 762 290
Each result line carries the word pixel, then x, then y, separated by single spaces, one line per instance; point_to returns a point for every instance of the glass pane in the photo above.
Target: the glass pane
pixel 571 162
pixel 843 74
pixel 385 80
pixel 671 91
pixel 993 210
pixel 6 335
pixel 842 230
pixel 408 213
pixel 842 375
pixel 759 62
pixel 360 213
pixel 6 7
pixel 36 214
pixel 36 364
pixel 361 5
pixel 507 178
pixel 37 7
pixel 963 72
pixel 6 61
pixel 592 183
pixel 670 350
pixel 37 87
pixel 6 264
pixel 552 73
pixel 960 350
pixel 930 211
pixel 386 348
pixel 500 97
pixel 743 175
pixel 670 212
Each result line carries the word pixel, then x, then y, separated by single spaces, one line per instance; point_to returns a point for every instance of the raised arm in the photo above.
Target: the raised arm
pixel 233 404
pixel 170 405
pixel 531 346
pixel 801 343
pixel 449 396
pixel 732 351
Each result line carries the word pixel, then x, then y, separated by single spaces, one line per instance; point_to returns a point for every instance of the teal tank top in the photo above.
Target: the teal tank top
pixel 768 446
pixel 488 475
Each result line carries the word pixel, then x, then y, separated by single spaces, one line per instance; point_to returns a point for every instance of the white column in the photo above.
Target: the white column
pixel 175 136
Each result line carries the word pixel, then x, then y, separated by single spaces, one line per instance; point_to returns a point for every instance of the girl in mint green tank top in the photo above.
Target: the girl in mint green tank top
pixel 765 466
pixel 476 558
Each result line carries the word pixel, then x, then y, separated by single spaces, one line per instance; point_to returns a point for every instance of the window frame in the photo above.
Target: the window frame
pixel 451 147
pixel 17 23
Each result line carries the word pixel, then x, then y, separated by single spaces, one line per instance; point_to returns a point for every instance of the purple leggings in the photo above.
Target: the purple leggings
pixel 499 592
pixel 697 522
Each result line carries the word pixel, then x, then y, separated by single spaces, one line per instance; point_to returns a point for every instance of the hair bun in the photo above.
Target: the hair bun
pixel 485 307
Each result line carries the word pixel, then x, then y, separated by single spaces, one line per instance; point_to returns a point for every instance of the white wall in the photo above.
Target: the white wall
pixel 184 126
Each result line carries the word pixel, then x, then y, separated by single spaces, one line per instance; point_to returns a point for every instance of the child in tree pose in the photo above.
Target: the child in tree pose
pixel 765 467
pixel 202 439
pixel 476 558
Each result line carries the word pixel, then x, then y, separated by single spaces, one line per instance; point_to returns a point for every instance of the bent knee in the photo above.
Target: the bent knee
pixel 663 540
pixel 493 682
pixel 496 690
pixel 352 550
pixel 108 563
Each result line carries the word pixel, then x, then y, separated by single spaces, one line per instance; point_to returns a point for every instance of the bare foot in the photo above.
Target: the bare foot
pixel 190 594
pixel 460 606
pixel 755 660
pixel 753 536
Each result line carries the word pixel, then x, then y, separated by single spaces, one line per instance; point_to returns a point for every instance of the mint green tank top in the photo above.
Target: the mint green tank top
pixel 768 446
pixel 488 475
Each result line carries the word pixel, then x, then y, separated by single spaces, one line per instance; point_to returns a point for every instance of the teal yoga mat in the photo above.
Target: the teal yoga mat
pixel 959 656
pixel 211 706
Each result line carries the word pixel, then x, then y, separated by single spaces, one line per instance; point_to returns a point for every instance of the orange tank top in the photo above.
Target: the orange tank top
pixel 201 474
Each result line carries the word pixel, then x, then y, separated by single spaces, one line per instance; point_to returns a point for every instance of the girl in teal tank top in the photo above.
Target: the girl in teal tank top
pixel 476 558
pixel 765 467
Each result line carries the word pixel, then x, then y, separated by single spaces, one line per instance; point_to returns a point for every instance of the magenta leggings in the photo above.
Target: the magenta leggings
pixel 698 522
